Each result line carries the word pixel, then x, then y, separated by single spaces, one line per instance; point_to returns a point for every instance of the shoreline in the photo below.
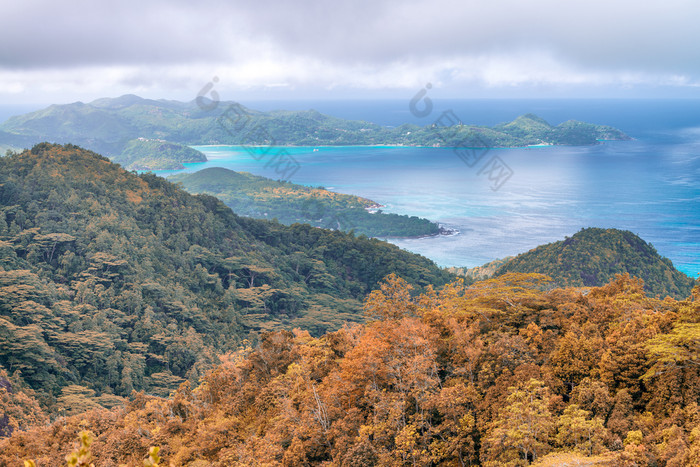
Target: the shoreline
pixel 442 231
pixel 400 145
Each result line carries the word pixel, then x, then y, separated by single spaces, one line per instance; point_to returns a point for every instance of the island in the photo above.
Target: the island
pixel 126 128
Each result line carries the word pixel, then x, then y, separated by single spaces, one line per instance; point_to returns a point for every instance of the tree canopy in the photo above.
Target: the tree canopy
pixel 112 281
pixel 288 203
pixel 593 256
pixel 508 371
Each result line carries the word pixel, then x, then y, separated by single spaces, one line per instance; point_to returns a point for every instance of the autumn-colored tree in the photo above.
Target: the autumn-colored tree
pixel 578 431
pixel 19 408
pixel 523 428
pixel 593 396
pixel 82 456
pixel 457 376
pixel 675 362
pixel 392 301
pixel 574 358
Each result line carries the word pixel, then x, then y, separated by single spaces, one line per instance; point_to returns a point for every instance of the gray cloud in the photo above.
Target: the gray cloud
pixel 363 43
pixel 77 33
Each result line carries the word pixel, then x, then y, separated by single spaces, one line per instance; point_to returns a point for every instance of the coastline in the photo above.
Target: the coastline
pixel 400 145
pixel 442 231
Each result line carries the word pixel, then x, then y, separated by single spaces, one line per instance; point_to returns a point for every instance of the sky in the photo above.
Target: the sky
pixel 74 50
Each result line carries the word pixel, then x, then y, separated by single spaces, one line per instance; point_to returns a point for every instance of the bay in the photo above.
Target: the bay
pixel 650 186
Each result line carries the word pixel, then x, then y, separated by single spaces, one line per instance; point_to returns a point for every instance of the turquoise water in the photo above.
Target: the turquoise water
pixel 650 186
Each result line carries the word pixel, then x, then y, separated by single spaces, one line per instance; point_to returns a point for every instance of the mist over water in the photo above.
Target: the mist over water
pixel 650 186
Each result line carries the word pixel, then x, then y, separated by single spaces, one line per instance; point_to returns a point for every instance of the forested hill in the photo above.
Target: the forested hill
pixel 107 126
pixel 156 154
pixel 507 372
pixel 112 281
pixel 263 198
pixel 593 256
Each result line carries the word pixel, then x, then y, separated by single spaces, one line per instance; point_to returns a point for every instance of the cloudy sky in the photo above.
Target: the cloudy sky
pixel 63 51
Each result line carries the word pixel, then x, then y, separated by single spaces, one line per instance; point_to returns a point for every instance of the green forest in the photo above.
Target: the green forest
pixel 593 256
pixel 288 203
pixel 112 282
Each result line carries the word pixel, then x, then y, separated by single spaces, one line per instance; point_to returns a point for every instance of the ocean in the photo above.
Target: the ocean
pixel 650 186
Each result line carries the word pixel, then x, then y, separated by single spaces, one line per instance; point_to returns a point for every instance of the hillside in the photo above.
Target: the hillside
pixel 479 273
pixel 112 282
pixel 263 198
pixel 593 256
pixel 535 130
pixel 156 154
pixel 507 372
pixel 107 125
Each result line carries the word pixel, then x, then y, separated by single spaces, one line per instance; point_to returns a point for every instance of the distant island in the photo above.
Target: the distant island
pixel 119 128
pixel 259 197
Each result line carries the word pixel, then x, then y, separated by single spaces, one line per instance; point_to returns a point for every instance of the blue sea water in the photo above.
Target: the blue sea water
pixel 650 186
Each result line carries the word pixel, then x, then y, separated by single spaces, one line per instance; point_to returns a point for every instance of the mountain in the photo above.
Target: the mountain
pixel 263 198
pixel 593 256
pixel 107 126
pixel 112 282
pixel 506 372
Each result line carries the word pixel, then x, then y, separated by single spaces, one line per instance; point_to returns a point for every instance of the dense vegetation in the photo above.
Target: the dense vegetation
pixel 157 154
pixel 506 372
pixel 478 273
pixel 112 282
pixel 107 125
pixel 263 198
pixel 593 256
pixel 535 130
